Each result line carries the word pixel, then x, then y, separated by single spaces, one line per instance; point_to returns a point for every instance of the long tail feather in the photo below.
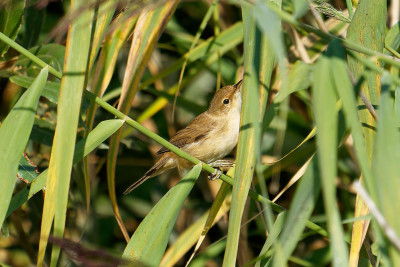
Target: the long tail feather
pixel 155 170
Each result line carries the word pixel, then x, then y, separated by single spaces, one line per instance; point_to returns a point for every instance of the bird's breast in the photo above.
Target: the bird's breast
pixel 219 142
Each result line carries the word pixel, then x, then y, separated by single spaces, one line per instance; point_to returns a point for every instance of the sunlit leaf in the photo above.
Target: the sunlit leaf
pixel 60 165
pixel 150 239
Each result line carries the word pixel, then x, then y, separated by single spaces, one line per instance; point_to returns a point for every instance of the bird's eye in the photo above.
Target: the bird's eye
pixel 226 101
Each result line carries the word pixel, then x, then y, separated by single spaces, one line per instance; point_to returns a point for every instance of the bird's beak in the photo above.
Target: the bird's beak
pixel 238 85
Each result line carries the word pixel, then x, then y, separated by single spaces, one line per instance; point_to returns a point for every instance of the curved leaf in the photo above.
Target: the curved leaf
pixel 150 239
pixel 97 136
pixel 14 134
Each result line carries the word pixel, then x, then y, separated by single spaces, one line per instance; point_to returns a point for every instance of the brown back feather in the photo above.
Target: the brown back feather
pixel 194 132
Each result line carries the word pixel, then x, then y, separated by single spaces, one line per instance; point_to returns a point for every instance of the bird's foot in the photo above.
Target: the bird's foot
pixel 215 175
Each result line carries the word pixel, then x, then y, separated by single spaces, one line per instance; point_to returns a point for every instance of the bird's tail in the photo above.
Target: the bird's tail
pixel 155 170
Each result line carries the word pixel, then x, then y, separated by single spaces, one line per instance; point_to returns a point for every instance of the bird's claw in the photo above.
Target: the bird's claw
pixel 215 175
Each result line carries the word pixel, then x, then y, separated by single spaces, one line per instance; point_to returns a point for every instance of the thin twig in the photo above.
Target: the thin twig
pixel 294 179
pixel 368 105
pixel 380 219
pixel 371 256
pixel 299 45
pixel 364 98
pixel 260 210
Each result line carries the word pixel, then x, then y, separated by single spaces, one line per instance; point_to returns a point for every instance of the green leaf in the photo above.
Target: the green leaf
pixel 97 136
pixel 198 230
pixel 347 94
pixel 10 21
pixel 220 198
pixel 103 68
pixel 301 209
pixel 397 104
pixel 250 131
pixel 386 165
pixel 300 8
pixel 50 91
pixel 14 134
pixel 70 98
pixel 368 29
pixel 34 21
pixel 392 38
pixel 272 237
pixel 299 79
pixel 27 170
pixel 269 22
pixel 324 99
pixel 105 14
pixel 150 239
pixel 51 54
pixel 151 23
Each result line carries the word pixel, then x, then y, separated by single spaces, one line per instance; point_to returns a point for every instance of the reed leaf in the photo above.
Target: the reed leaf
pixel 14 134
pixel 97 136
pixel 192 234
pixel 59 174
pixel 387 168
pixel 10 21
pixel 248 133
pixel 150 239
pixel 50 90
pixel 214 211
pixel 264 259
pixel 151 23
pixel 324 97
pixel 300 210
pixel 392 39
pixel 368 31
pixel 105 66
pixel 104 15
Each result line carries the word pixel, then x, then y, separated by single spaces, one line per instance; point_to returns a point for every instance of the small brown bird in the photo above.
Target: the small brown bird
pixel 209 137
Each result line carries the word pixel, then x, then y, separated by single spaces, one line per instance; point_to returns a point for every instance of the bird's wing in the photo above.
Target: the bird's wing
pixel 194 132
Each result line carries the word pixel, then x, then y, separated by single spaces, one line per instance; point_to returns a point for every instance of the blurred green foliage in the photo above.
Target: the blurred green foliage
pixel 304 97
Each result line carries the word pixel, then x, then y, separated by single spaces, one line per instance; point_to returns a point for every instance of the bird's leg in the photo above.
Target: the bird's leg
pixel 221 163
